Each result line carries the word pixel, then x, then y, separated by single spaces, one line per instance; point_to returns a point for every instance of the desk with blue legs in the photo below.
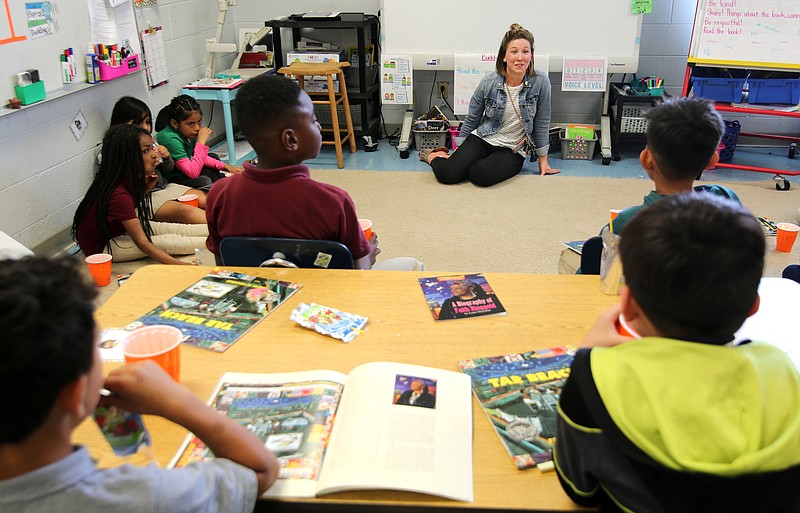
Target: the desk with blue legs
pixel 226 96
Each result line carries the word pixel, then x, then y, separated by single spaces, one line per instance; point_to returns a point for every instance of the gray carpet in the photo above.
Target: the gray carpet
pixel 517 226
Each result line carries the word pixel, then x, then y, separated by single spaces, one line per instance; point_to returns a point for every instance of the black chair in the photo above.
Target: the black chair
pixel 277 252
pixel 590 255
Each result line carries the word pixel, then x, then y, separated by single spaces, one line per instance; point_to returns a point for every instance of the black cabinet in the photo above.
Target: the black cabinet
pixel 363 88
pixel 626 112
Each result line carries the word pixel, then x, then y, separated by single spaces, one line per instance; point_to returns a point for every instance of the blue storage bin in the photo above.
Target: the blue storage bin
pixel 718 89
pixel 774 90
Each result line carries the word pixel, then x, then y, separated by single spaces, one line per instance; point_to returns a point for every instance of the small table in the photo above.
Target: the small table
pixel 226 96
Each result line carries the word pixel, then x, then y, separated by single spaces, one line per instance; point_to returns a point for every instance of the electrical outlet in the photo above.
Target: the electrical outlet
pixel 441 89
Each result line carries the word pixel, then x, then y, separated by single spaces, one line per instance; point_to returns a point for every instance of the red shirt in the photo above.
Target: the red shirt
pixel 283 202
pixel 120 208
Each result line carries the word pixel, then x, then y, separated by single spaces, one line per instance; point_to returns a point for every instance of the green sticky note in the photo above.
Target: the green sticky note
pixel 641 6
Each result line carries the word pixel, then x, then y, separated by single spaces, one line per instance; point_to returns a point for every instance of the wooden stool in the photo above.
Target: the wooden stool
pixel 328 69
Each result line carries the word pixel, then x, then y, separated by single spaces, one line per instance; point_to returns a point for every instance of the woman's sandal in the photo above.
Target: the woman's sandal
pixel 424 155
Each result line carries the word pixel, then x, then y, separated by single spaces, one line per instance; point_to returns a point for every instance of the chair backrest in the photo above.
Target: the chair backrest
pixel 276 252
pixel 590 255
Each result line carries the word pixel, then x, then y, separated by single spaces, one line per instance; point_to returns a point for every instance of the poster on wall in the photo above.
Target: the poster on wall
pixel 586 74
pixel 396 79
pixel 41 19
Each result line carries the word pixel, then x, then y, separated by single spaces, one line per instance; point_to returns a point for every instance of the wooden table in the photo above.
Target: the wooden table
pixel 543 311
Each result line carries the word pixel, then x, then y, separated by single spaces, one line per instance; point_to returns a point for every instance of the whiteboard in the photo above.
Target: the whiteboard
pixel 761 34
pixel 433 31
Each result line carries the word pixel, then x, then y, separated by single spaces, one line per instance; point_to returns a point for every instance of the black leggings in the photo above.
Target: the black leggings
pixel 479 162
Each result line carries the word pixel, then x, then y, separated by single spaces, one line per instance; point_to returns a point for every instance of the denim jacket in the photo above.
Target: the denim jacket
pixel 488 104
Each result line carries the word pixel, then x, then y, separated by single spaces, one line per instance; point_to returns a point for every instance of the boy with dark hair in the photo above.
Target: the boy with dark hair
pixel 682 138
pixel 277 197
pixel 52 374
pixel 682 420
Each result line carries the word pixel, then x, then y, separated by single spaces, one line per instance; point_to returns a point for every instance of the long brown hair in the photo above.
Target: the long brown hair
pixel 516 31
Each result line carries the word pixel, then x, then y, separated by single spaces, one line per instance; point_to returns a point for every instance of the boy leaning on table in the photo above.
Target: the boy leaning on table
pixel 51 376
pixel 681 420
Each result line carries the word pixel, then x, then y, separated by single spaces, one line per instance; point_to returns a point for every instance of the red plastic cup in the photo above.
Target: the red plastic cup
pixel 613 213
pixel 366 227
pixel 162 344
pixel 100 268
pixel 787 234
pixel 190 199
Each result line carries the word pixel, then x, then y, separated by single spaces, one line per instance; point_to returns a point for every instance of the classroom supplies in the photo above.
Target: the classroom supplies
pixel 217 310
pixel 460 296
pixel 215 83
pixel 519 393
pixel 334 432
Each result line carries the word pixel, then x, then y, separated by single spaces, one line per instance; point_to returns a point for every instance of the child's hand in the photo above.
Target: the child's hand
pixel 144 387
pixel 604 331
pixel 150 181
pixel 204 135
pixel 233 169
pixel 373 241
pixel 163 152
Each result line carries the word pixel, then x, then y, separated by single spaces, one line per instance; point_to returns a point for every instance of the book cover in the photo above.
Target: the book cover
pixel 460 296
pixel 519 393
pixel 575 245
pixel 579 132
pixel 383 426
pixel 217 310
pixel 215 83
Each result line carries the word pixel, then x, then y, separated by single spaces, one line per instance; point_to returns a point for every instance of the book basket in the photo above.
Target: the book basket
pixel 729 139
pixel 577 149
pixel 429 140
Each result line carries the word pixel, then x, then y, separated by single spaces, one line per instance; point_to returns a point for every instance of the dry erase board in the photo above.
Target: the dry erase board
pixel 433 31
pixel 42 30
pixel 760 34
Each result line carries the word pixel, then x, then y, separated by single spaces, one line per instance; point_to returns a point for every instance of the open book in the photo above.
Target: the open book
pixel 519 393
pixel 385 426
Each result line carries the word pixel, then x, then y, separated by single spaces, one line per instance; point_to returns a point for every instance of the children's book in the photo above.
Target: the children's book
pixel 385 426
pixel 519 393
pixel 579 132
pixel 460 296
pixel 575 245
pixel 215 83
pixel 217 310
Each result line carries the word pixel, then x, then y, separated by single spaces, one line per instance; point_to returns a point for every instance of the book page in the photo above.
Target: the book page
pixel 291 413
pixel 402 427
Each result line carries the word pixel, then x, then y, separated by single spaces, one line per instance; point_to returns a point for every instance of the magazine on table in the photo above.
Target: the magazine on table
pixel 519 393
pixel 385 426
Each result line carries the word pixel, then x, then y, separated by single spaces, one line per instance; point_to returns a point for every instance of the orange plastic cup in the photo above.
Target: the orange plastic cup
pixel 162 344
pixel 624 328
pixel 613 213
pixel 787 234
pixel 366 227
pixel 190 199
pixel 100 268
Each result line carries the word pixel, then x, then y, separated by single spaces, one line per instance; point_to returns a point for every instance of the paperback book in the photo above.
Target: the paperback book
pixel 575 245
pixel 460 296
pixel 215 83
pixel 383 426
pixel 519 393
pixel 217 310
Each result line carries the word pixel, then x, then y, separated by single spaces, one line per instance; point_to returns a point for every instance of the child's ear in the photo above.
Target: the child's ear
pixel 72 397
pixel 289 140
pixel 755 307
pixel 646 159
pixel 713 161
pixel 173 123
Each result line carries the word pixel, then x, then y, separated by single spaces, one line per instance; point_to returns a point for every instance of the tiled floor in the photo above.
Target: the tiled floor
pixel 387 158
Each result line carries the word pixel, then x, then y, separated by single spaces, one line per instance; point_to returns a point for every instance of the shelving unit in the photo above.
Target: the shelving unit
pixel 625 112
pixel 363 88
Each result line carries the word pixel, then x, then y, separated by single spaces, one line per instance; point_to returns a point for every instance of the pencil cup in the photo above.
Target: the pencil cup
pixel 190 199
pixel 100 268
pixel 787 234
pixel 366 227
pixel 162 344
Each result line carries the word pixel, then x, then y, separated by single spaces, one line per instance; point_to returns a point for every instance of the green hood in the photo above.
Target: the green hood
pixel 696 407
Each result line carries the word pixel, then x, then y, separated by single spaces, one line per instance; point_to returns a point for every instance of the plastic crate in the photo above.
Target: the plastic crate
pixel 631 120
pixel 729 139
pixel 719 89
pixel 429 139
pixel 577 149
pixel 774 90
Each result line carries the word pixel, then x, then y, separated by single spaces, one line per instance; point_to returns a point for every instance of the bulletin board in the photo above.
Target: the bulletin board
pixel 35 46
pixel 753 34
pixel 434 31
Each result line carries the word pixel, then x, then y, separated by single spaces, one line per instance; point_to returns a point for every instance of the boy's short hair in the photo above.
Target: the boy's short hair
pixel 693 263
pixel 48 323
pixel 266 103
pixel 682 136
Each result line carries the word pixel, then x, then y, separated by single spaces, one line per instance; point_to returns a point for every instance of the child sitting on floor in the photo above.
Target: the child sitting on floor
pixel 47 313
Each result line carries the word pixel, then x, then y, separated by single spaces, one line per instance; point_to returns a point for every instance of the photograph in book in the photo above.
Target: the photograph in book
pixel 214 312
pixel 333 432
pixel 460 296
pixel 519 393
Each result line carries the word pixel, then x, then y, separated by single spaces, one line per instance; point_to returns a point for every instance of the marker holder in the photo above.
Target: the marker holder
pixel 128 65
pixel 30 93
